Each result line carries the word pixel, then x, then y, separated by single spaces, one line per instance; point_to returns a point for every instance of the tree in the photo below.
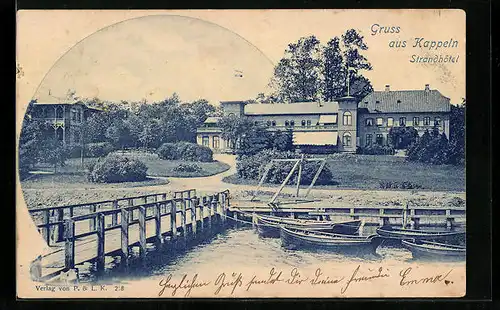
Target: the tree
pixel 297 75
pixel 456 152
pixel 402 137
pixel 343 57
pixel 309 71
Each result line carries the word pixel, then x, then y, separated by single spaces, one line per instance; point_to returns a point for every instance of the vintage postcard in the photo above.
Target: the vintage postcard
pixel 241 153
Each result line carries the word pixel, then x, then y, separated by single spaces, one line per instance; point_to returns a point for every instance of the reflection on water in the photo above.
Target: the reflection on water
pixel 237 249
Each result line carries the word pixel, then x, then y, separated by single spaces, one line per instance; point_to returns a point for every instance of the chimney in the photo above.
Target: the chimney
pixel 387 87
pixel 427 88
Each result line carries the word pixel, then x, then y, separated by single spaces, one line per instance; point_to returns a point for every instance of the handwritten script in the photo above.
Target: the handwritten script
pixel 230 283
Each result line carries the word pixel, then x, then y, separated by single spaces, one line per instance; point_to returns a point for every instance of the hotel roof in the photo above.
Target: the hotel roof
pixel 291 108
pixel 405 101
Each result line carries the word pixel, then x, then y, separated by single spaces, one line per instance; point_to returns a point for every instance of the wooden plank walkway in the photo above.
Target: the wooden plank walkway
pixel 113 231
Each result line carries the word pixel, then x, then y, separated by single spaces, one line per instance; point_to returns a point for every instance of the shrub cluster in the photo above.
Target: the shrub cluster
pixel 376 149
pixel 401 185
pixel 188 168
pixel 253 167
pixel 185 151
pixel 434 148
pixel 114 168
pixel 98 149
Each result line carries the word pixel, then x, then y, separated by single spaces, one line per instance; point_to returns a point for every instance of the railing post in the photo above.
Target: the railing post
pixel 46 228
pixel 223 208
pixel 142 230
pixel 183 218
pixel 159 238
pixel 92 223
pixel 173 219
pixel 114 217
pixel 211 210
pixel 194 223
pixel 124 236
pixel 60 226
pixel 201 217
pixel 101 230
pixel 69 245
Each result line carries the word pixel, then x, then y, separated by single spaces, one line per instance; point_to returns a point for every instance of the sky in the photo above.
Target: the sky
pixel 221 55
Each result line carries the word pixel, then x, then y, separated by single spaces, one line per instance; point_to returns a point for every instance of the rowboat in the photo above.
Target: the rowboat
pixel 428 249
pixel 404 233
pixel 292 238
pixel 269 226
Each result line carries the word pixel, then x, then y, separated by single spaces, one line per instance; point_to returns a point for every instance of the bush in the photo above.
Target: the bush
pixel 376 149
pixel 253 167
pixel 399 185
pixel 185 151
pixel 188 168
pixel 98 149
pixel 114 168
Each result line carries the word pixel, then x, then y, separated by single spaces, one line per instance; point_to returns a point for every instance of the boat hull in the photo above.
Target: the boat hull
pixel 269 226
pixel 308 240
pixel 411 234
pixel 434 250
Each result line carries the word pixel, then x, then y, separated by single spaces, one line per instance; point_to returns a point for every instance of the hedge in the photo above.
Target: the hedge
pixel 253 167
pixel 185 151
pixel 376 149
pixel 115 168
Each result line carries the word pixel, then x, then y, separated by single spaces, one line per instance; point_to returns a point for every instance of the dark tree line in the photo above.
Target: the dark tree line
pixel 310 71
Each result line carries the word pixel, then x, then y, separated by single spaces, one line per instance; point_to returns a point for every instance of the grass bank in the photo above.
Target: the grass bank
pixel 370 171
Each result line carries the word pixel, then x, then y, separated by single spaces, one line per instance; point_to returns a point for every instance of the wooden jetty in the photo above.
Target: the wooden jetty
pixel 418 216
pixel 89 232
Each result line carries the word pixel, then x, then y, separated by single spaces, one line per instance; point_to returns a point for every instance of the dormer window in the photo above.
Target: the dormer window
pixel 377 101
pixel 287 123
pixel 399 101
pixel 366 102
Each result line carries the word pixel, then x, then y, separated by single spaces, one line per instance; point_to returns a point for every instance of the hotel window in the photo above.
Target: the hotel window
pixel 347 118
pixel 402 121
pixel 427 121
pixel 292 123
pixel 287 123
pixel 380 121
pixel 273 123
pixel 346 139
pixel 216 142
pixel 308 123
pixel 390 122
pixel 303 123
pixel 59 112
pixel 369 122
pixel 416 121
pixel 76 137
pixel 369 139
pixel 60 134
pixel 79 116
pixel 380 139
pixel 205 141
pixel 437 121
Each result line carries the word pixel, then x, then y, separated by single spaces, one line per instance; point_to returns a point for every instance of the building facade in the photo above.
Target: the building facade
pixel 66 118
pixel 341 125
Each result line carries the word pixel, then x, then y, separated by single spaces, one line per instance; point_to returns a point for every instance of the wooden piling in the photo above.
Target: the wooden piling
pixel 124 236
pixel 183 219
pixel 69 244
pixel 60 226
pixel 142 231
pixel 173 219
pixel 46 228
pixel 159 238
pixel 101 229
pixel 92 221
pixel 201 216
pixel 114 217
pixel 209 202
pixel 193 204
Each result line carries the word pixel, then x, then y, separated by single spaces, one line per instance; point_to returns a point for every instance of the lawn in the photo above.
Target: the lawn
pixel 368 171
pixel 156 167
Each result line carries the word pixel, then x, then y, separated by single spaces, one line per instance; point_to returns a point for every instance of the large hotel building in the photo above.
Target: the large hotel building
pixel 340 125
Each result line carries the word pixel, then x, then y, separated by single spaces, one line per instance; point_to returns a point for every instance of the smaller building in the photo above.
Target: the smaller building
pixel 66 118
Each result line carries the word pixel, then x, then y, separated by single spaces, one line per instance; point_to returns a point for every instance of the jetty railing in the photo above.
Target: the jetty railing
pixel 203 212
